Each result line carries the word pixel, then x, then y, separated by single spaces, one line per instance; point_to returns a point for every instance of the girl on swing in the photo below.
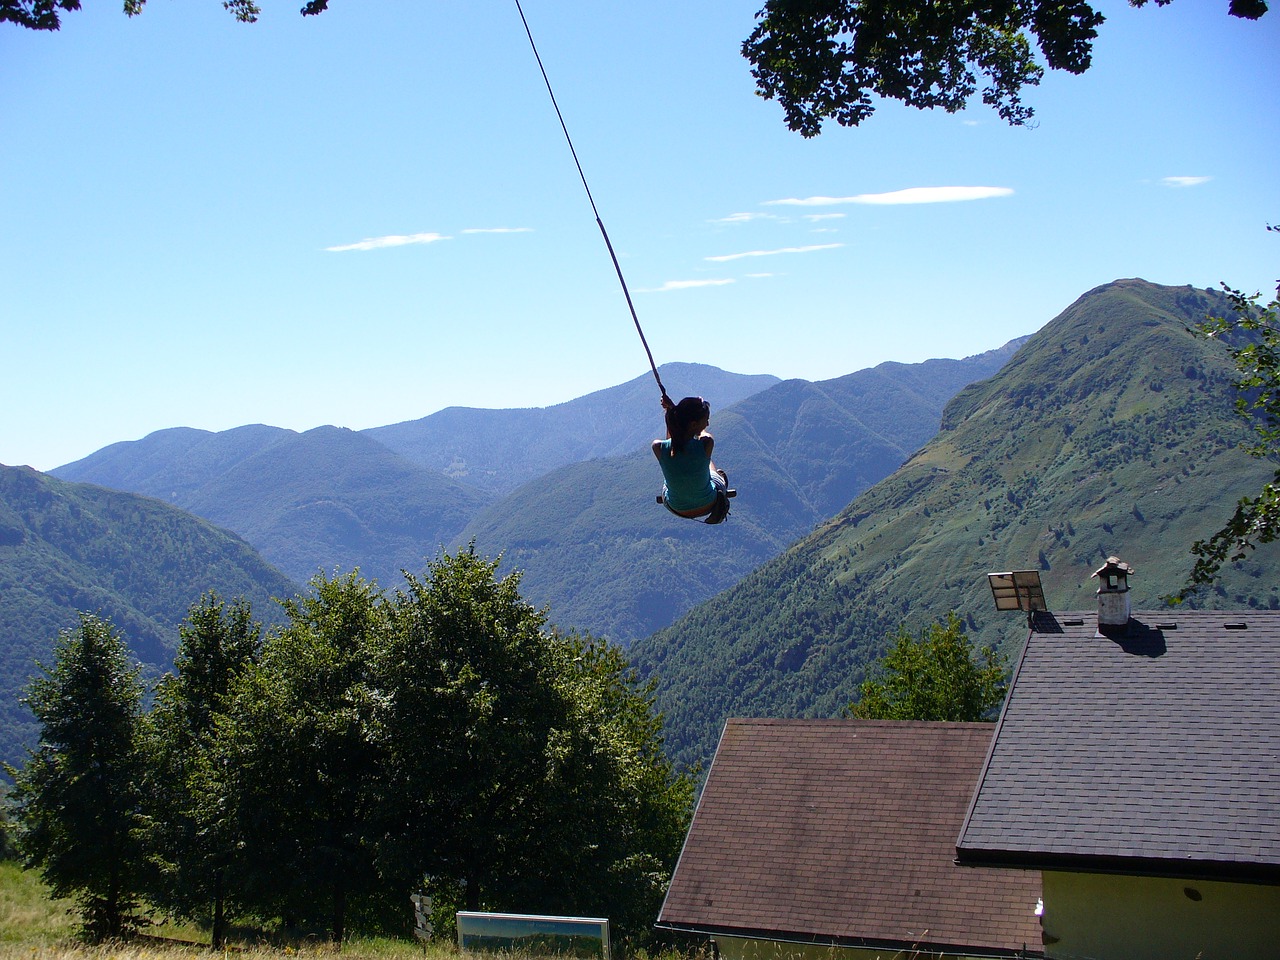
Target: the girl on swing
pixel 694 487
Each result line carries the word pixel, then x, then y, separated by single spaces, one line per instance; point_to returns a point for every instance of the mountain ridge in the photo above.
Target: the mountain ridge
pixel 500 450
pixel 332 498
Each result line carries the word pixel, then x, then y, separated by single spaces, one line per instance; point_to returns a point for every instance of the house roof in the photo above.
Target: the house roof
pixel 1154 752
pixel 843 831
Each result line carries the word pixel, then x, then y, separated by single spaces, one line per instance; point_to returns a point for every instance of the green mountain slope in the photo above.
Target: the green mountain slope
pixel 1110 432
pixel 594 545
pixel 499 450
pixel 69 547
pixel 326 499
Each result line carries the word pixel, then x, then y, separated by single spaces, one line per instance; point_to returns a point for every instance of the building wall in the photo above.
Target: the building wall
pixel 736 948
pixel 1106 917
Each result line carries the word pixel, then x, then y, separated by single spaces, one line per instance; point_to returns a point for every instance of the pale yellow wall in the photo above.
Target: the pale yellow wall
pixel 1104 917
pixel 734 948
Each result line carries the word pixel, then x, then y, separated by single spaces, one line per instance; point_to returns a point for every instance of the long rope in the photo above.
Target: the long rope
pixel 600 223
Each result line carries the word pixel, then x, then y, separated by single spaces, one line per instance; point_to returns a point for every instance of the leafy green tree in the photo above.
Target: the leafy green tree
pixel 828 59
pixel 526 766
pixel 218 642
pixel 1252 335
pixel 472 692
pixel 77 799
pixel 614 809
pixel 937 676
pixel 293 776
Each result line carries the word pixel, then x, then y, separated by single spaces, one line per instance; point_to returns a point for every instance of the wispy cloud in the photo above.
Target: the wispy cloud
pixel 743 218
pixel 498 230
pixel 686 285
pixel 395 240
pixel 1185 181
pixel 769 253
pixel 815 217
pixel 910 195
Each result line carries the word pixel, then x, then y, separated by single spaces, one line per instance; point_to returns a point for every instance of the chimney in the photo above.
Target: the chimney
pixel 1113 594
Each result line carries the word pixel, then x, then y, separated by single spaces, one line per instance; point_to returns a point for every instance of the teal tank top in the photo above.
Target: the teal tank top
pixel 687 475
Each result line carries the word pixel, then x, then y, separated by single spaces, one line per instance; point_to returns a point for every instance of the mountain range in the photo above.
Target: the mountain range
pixel 591 542
pixel 1111 432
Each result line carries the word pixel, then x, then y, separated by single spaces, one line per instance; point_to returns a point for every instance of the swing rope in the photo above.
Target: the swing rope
pixel 600 223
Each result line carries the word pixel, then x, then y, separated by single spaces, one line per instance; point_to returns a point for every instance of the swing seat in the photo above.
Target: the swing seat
pixel 727 493
pixel 719 509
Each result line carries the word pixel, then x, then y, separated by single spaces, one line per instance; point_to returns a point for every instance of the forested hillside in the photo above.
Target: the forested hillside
pixel 1111 432
pixel 69 547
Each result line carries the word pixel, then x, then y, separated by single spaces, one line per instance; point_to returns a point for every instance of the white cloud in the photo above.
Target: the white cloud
pixel 743 218
pixel 378 243
pixel 498 230
pixel 1185 181
pixel 815 217
pixel 910 195
pixel 687 285
pixel 770 253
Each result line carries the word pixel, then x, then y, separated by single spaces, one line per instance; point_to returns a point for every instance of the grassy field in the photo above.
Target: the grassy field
pixel 33 926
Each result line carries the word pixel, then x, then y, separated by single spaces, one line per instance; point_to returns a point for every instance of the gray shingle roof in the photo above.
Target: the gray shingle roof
pixel 843 831
pixel 1155 752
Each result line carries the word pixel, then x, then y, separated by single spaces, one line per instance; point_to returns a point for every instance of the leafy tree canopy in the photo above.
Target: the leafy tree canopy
pixel 1252 334
pixel 827 59
pixel 937 676
pixel 46 14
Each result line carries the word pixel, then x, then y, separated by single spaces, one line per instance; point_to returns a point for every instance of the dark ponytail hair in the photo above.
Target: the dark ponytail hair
pixel 681 419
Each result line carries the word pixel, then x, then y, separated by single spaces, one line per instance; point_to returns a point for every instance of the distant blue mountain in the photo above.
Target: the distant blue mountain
pixel 499 450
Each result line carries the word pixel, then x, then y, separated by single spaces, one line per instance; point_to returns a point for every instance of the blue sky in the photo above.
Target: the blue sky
pixel 363 217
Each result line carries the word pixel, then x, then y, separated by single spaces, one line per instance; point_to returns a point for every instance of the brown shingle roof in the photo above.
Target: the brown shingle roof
pixel 844 831
pixel 1155 752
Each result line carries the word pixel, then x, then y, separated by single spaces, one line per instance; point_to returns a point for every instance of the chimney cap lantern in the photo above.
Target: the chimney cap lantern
pixel 1114 574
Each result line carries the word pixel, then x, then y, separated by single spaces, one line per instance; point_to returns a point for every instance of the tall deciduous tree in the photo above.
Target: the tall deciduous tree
pixel 77 799
pixel 218 642
pixel 937 676
pixel 527 766
pixel 830 59
pixel 294 774
pixel 472 699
